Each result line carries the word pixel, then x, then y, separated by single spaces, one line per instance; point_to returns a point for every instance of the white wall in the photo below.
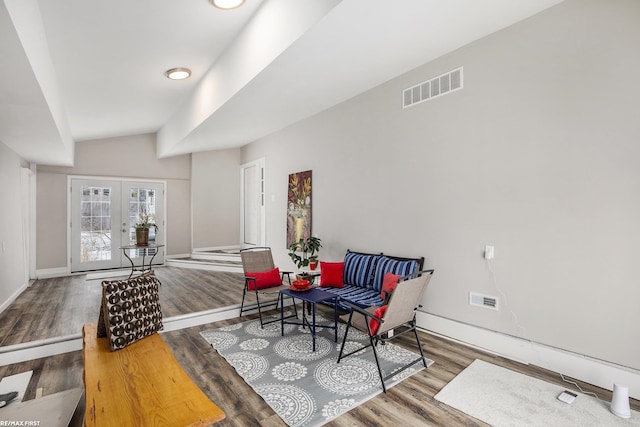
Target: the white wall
pixel 12 262
pixel 537 155
pixel 125 157
pixel 215 192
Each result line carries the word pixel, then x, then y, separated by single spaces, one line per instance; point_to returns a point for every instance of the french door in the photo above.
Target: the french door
pixel 103 215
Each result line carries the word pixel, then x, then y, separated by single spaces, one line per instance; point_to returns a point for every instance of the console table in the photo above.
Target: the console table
pixel 145 252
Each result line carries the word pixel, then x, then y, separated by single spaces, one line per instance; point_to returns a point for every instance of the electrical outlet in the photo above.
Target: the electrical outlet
pixel 488 252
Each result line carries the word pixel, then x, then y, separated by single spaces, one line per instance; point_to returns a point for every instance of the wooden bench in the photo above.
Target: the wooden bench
pixel 140 385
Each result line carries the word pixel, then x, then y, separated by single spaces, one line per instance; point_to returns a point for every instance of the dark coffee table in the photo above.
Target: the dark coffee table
pixel 311 297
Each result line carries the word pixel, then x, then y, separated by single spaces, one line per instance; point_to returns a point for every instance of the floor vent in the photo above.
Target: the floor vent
pixel 485 301
pixel 433 88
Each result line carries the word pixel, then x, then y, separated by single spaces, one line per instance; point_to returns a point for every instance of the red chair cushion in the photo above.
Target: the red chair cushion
pixel 374 325
pixel 331 274
pixel 389 284
pixel 264 279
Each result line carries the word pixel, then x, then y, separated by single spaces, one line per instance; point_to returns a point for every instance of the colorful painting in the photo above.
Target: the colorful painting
pixel 299 207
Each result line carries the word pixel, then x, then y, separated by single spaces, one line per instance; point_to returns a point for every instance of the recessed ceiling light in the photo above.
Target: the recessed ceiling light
pixel 178 73
pixel 227 4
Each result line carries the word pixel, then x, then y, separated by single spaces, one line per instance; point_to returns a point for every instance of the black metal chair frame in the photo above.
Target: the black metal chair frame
pixel 268 291
pixel 383 338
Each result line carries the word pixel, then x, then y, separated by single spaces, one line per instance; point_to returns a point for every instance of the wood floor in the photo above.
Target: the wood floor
pixel 60 306
pixel 409 403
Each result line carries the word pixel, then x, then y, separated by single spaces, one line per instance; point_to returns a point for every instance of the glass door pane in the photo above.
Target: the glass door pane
pixel 145 203
pixel 94 242
pixel 95 224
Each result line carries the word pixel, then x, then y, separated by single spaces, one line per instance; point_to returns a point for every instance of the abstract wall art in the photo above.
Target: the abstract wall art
pixel 299 207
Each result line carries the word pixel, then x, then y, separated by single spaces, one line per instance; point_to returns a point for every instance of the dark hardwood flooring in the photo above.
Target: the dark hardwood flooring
pixel 59 306
pixel 409 403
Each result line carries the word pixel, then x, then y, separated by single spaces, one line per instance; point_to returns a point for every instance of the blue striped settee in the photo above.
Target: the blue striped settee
pixel 364 273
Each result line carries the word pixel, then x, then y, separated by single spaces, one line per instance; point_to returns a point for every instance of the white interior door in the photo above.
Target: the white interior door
pixel 103 214
pixel 252 221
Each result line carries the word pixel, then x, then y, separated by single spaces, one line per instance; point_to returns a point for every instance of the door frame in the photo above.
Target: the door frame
pixel 28 203
pixel 162 226
pixel 261 187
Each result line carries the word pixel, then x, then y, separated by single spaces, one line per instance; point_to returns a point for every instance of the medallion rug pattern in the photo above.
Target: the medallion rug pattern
pixel 305 387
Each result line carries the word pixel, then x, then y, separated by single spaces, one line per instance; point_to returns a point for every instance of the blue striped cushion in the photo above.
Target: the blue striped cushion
pixel 357 295
pixel 359 269
pixel 387 265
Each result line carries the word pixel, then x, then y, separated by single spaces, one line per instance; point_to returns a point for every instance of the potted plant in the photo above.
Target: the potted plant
pixel 308 249
pixel 142 227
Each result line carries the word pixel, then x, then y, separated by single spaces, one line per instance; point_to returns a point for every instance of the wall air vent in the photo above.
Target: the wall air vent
pixel 433 88
pixel 485 301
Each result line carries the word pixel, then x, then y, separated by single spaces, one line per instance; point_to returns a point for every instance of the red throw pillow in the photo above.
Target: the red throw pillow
pixel 373 323
pixel 389 284
pixel 331 274
pixel 264 279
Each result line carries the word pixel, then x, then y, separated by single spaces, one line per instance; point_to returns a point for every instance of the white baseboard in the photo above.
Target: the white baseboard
pixel 18 353
pixel 204 266
pixel 200 318
pixel 48 273
pixel 593 371
pixel 13 297
pixel 109 274
pixel 217 248
pixel 174 256
pixel 215 256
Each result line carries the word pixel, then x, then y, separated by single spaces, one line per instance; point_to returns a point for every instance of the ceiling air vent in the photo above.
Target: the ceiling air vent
pixel 433 88
pixel 485 301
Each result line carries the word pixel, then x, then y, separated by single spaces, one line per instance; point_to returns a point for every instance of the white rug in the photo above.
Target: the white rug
pixel 502 397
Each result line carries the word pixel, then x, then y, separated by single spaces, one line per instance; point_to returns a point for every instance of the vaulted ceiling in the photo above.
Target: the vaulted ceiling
pixel 75 70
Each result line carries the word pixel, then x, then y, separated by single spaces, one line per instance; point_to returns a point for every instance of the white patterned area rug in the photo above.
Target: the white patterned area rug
pixel 502 397
pixel 307 388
